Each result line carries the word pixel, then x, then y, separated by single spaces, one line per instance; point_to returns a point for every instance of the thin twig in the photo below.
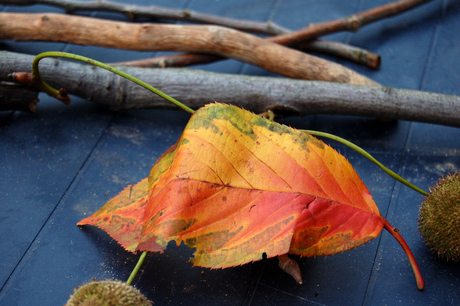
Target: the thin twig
pixel 259 94
pixel 354 54
pixel 133 12
pixel 175 60
pixel 350 23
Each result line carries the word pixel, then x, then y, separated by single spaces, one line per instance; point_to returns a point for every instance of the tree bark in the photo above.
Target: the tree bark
pixel 159 37
pixel 259 94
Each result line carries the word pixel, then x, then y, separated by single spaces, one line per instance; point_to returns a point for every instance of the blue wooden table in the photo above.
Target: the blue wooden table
pixel 64 162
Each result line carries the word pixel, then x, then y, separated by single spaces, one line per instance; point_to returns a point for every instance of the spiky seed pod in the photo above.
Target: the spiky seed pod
pixel 439 219
pixel 107 293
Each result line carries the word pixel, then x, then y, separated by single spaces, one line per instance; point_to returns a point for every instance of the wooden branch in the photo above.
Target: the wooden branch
pixel 189 59
pixel 133 11
pixel 259 94
pixel 175 60
pixel 355 54
pixel 351 23
pixel 159 37
pixel 17 97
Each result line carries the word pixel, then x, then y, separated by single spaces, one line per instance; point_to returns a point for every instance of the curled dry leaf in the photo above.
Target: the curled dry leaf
pixel 291 267
pixel 236 186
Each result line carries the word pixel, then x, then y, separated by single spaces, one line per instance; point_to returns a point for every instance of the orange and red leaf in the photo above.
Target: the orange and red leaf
pixel 236 186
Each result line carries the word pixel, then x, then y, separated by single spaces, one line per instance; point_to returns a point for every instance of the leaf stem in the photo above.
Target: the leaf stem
pixel 395 233
pixel 368 156
pixel 62 95
pixel 137 267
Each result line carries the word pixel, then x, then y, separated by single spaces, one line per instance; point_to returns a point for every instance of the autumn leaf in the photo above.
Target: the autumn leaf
pixel 236 186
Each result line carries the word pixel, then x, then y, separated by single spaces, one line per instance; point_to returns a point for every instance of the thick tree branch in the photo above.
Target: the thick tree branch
pixel 133 11
pixel 159 37
pixel 259 94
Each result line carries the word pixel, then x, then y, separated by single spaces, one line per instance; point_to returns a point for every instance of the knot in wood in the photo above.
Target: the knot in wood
pixel 353 24
pixel 186 14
